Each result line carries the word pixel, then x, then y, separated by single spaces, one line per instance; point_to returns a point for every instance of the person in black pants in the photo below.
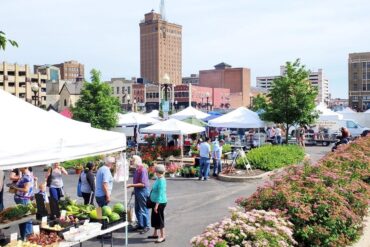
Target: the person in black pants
pixel 87 179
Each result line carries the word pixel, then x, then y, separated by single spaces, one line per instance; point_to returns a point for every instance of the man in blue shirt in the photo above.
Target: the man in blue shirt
pixel 104 182
pixel 204 153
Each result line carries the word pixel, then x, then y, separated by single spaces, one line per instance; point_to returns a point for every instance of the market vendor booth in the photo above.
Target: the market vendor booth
pixel 30 137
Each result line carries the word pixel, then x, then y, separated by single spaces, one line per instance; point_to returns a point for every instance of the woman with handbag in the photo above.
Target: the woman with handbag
pixel 54 181
pixel 159 198
pixel 140 183
pixel 87 180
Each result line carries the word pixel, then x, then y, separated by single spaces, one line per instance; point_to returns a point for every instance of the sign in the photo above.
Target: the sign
pixel 63 214
pixel 166 106
pixel 13 237
pixel 44 221
pixel 36 229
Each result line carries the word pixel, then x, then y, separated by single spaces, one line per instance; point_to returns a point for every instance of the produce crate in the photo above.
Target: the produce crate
pixel 52 223
pixel 106 224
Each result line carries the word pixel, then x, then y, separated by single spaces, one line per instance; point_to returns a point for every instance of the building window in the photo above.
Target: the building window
pixel 128 90
pixel 364 75
pixel 364 65
pixel 354 65
pixel 368 75
pixel 363 87
pixel 123 99
pixel 123 89
pixel 117 90
pixel 65 102
pixel 355 76
pixel 355 88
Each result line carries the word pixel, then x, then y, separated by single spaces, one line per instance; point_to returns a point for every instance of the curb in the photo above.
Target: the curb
pixel 365 238
pixel 226 178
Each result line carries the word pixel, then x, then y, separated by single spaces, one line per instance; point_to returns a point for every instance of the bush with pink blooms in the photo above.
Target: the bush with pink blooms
pixel 256 228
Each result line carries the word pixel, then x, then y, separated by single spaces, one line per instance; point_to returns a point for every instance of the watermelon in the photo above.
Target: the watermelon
pixel 118 208
pixel 106 211
pixel 114 217
pixel 93 214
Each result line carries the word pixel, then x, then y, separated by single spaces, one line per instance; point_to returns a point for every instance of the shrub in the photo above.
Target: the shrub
pixel 273 157
pixel 74 163
pixel 254 228
pixel 325 202
pixel 226 148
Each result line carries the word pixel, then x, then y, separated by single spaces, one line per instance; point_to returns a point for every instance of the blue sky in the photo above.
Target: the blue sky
pixel 257 34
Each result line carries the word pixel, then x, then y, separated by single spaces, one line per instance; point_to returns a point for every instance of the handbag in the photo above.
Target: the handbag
pixel 149 202
pixel 79 192
pixel 48 180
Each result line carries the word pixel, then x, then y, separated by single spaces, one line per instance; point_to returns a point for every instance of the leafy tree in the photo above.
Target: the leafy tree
pixel 259 103
pixel 97 105
pixel 4 41
pixel 291 98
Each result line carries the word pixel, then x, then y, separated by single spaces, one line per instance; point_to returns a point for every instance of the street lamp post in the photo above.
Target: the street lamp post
pixel 135 102
pixel 207 96
pixel 202 102
pixel 176 105
pixel 35 89
pixel 128 102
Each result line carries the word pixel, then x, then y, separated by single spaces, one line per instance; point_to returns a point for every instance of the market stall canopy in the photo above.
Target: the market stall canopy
pixel 368 111
pixel 153 114
pixel 134 118
pixel 194 121
pixel 173 127
pixel 346 110
pixel 189 112
pixel 239 118
pixel 327 114
pixel 31 136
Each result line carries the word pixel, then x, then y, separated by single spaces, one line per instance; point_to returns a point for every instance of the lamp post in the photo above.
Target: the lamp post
pixel 202 96
pixel 128 102
pixel 35 89
pixel 135 102
pixel 207 96
pixel 176 105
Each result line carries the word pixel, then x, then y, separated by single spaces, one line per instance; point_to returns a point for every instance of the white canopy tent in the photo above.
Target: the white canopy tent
pixel 368 111
pixel 189 112
pixel 346 110
pixel 325 114
pixel 239 118
pixel 153 114
pixel 134 118
pixel 31 136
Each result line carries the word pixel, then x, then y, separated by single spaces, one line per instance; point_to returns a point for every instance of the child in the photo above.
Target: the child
pixel 42 191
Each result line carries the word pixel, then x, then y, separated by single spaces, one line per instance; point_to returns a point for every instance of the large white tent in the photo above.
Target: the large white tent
pixel 346 110
pixel 153 114
pixel 134 118
pixel 239 118
pixel 173 127
pixel 189 112
pixel 30 136
pixel 325 114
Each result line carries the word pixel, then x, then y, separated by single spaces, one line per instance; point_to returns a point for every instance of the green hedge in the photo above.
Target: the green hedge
pixel 72 163
pixel 272 157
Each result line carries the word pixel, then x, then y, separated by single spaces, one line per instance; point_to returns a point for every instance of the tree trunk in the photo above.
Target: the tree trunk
pixel 287 134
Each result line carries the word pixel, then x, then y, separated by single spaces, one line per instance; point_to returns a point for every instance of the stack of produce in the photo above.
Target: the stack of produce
pixel 16 212
pixel 108 214
pixel 20 243
pixel 44 239
pixel 77 210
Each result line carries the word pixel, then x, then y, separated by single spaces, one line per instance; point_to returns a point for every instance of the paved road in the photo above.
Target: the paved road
pixel 192 205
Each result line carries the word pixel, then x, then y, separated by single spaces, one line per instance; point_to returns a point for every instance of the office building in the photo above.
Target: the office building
pixel 71 71
pixel 160 49
pixel 359 81
pixel 122 89
pixel 19 81
pixel 235 79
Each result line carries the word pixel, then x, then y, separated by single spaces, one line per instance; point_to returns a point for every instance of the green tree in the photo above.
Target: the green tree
pixel 291 98
pixel 259 103
pixel 97 105
pixel 4 41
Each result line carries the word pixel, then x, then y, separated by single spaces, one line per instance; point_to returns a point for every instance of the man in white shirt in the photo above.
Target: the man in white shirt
pixel 204 153
pixel 216 155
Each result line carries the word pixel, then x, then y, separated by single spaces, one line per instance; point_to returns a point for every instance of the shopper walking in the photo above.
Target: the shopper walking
pixel 204 153
pixel 216 155
pixel 54 180
pixel 141 189
pixel 278 133
pixel 24 190
pixel 87 180
pixel 104 182
pixel 159 197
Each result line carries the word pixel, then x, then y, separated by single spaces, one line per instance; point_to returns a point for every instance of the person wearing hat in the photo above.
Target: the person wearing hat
pixel 140 183
pixel 104 182
pixel 87 180
pixel 159 198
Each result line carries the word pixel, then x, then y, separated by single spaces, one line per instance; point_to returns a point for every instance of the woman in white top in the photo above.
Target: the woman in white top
pixel 55 181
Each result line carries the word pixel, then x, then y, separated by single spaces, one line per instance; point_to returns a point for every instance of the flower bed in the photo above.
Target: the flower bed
pixel 254 228
pixel 270 157
pixel 326 202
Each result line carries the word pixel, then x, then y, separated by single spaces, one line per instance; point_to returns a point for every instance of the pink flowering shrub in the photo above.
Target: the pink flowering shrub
pixel 253 228
pixel 326 202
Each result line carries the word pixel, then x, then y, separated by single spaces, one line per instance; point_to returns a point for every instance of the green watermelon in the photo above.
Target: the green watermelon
pixel 118 208
pixel 106 211
pixel 114 217
pixel 93 214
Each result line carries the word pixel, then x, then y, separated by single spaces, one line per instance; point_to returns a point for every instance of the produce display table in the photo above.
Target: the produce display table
pixel 17 222
pixel 109 230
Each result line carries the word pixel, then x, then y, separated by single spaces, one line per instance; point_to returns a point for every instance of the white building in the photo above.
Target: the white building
pixel 317 79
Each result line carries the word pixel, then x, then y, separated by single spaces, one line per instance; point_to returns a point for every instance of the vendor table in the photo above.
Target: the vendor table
pixel 17 222
pixel 109 230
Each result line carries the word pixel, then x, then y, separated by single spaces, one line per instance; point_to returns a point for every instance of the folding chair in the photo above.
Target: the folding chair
pixel 239 153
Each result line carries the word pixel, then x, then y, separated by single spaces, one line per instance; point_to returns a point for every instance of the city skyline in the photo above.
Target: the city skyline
pixel 260 36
